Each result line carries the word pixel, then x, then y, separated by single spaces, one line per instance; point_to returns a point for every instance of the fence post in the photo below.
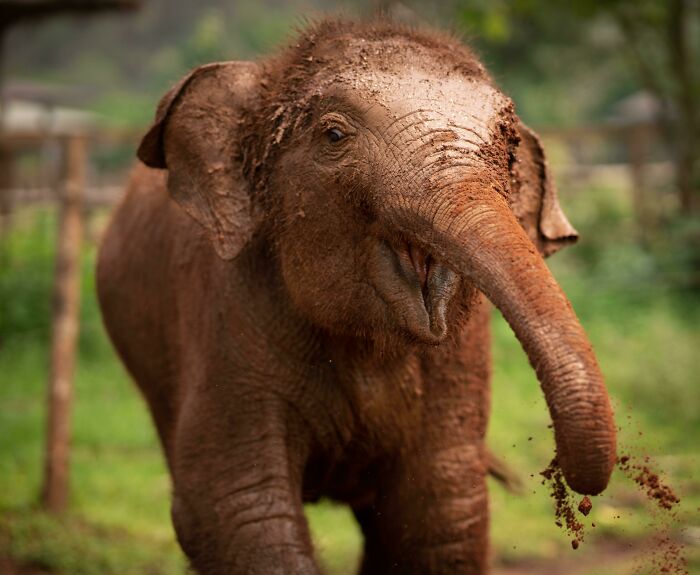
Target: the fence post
pixel 66 294
pixel 637 141
pixel 6 202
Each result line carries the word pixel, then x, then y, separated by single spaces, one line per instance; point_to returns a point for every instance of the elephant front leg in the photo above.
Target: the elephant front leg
pixel 237 505
pixel 430 516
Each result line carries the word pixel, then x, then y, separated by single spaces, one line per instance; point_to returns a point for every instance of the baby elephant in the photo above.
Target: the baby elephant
pixel 297 281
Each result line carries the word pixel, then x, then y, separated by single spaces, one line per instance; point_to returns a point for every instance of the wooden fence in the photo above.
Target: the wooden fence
pixel 65 184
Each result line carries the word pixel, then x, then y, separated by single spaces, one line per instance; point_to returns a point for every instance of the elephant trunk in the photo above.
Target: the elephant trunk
pixel 481 239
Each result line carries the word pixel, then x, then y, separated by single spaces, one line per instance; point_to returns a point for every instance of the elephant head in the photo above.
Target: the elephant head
pixel 394 180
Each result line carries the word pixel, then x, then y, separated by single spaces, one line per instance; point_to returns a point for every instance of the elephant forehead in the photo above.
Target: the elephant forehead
pixel 413 101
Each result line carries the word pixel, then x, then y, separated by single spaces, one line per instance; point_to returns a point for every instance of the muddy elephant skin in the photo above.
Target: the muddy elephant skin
pixel 297 281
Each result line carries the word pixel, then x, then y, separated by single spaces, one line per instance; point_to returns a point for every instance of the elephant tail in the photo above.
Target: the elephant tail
pixel 504 473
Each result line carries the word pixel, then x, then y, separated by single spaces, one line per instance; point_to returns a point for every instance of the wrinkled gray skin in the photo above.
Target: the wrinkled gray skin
pixel 307 317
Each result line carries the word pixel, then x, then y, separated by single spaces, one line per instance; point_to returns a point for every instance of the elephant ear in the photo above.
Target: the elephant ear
pixel 535 201
pixel 195 136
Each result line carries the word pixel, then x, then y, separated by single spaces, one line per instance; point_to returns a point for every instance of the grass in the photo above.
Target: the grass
pixel 645 333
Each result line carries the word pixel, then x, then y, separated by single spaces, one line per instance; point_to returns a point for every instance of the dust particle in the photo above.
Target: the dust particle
pixel 665 554
pixel 649 482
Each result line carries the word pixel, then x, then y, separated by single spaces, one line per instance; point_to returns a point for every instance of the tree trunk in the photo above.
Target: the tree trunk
pixel 5 155
pixel 65 328
pixel 637 142
pixel 6 200
pixel 678 95
pixel 687 122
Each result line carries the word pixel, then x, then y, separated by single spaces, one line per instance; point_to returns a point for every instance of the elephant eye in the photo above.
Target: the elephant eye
pixel 334 135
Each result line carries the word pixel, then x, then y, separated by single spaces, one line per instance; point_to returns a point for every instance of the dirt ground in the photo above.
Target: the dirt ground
pixel 8 567
pixel 612 555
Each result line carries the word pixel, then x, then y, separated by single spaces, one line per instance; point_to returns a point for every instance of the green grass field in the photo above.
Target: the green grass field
pixel 643 327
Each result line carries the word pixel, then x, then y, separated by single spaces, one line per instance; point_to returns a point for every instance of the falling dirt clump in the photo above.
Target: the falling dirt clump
pixel 585 506
pixel 649 481
pixel 564 512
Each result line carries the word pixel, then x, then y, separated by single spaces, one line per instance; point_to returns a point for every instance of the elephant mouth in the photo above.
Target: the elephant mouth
pixel 436 283
pixel 421 263
pixel 416 267
pixel 417 287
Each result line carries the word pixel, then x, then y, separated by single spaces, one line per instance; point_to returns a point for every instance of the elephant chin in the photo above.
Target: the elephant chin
pixel 417 288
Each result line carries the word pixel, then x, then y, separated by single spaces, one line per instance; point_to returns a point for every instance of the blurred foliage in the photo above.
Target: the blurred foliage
pixel 666 259
pixel 26 273
pixel 563 62
pixel 559 68
pixel 26 282
pixel 125 63
pixel 570 62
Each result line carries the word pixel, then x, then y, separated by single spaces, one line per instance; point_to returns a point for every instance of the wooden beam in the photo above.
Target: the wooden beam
pixel 65 327
pixel 14 11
